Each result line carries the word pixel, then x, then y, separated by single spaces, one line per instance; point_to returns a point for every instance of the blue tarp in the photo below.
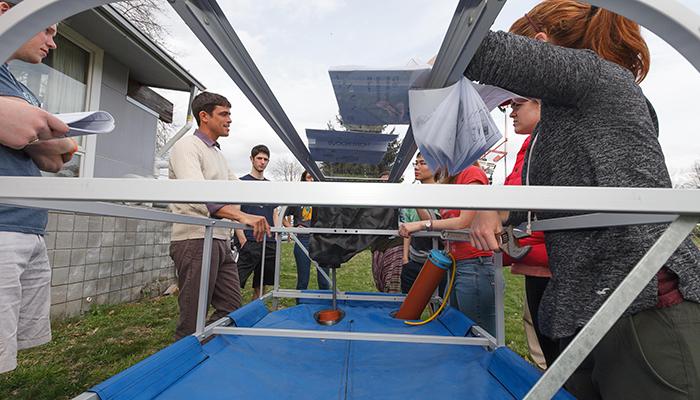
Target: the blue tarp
pixel 348 146
pixel 247 367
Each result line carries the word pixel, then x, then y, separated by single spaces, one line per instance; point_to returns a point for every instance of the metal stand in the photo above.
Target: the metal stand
pixel 203 304
pixel 334 315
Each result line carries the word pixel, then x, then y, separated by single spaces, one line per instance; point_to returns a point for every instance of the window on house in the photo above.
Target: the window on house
pixel 61 84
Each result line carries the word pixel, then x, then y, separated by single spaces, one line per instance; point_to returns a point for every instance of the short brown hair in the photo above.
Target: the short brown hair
pixel 207 102
pixel 261 148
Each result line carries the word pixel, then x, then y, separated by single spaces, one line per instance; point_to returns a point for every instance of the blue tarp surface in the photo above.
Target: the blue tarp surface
pixel 246 367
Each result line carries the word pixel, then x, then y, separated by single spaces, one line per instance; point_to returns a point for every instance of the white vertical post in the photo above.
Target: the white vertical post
pixel 499 291
pixel 278 268
pixel 262 267
pixel 203 304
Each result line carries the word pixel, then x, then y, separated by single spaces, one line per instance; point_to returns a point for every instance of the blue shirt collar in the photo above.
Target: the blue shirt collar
pixel 206 139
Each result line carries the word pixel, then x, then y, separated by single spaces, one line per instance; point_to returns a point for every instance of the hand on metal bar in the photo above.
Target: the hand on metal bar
pixel 507 238
pixel 260 226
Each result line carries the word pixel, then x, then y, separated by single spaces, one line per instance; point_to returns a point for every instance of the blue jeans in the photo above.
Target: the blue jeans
pixel 473 291
pixel 304 267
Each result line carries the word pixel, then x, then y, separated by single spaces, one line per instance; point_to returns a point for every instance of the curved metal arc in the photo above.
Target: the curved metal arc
pixel 675 23
pixel 31 16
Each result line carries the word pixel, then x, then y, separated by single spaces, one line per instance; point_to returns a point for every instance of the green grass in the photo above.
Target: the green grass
pixel 88 350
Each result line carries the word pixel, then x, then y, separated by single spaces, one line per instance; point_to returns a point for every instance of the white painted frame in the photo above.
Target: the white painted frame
pixel 92 97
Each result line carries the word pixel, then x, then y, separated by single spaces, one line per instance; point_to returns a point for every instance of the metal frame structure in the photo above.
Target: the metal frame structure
pixel 671 21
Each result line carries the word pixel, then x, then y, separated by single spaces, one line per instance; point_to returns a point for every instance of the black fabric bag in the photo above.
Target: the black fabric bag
pixel 332 250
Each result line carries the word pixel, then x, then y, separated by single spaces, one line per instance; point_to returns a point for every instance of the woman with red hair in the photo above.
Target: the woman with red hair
pixel 597 129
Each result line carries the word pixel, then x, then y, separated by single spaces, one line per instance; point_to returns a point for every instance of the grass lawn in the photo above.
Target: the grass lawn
pixel 88 350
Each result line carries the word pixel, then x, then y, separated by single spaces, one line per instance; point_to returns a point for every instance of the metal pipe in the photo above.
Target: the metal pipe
pixel 361 336
pixel 118 210
pixel 188 125
pixel 499 291
pixel 278 253
pixel 203 303
pixel 334 300
pixel 474 197
pixel 306 252
pixel 262 268
pixel 299 294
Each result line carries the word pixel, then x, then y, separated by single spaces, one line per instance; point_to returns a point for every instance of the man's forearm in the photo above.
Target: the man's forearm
pixel 230 211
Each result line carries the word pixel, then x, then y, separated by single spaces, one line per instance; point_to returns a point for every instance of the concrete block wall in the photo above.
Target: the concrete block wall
pixel 105 260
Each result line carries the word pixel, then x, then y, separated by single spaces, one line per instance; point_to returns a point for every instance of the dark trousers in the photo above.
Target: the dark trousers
pixel 534 289
pixel 304 267
pixel 250 262
pixel 224 293
pixel 654 354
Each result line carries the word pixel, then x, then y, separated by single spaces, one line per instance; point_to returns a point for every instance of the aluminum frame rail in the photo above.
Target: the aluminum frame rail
pixel 362 336
pixel 470 24
pixel 124 211
pixel 208 22
pixel 675 23
pixel 475 197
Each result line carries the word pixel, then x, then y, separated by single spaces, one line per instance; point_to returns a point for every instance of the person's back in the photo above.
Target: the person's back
pixel 594 126
pixel 598 129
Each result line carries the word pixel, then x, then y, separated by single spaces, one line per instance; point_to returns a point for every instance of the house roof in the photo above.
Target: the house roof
pixel 148 63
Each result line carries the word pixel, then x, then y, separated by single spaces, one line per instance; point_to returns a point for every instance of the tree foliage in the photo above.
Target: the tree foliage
pixel 361 170
pixel 691 179
pixel 144 15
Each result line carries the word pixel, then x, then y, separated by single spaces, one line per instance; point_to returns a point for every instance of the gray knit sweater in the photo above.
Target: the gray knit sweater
pixel 596 129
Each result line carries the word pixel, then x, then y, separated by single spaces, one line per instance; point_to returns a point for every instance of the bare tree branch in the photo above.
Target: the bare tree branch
pixel 144 15
pixel 286 169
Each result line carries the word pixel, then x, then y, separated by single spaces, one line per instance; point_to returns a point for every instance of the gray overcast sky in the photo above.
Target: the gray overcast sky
pixel 295 42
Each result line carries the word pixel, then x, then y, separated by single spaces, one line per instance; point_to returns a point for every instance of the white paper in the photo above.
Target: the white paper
pixel 88 123
pixel 452 126
pixel 493 96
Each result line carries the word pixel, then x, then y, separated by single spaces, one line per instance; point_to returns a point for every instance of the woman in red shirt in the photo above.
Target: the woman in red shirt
pixel 535 265
pixel 473 292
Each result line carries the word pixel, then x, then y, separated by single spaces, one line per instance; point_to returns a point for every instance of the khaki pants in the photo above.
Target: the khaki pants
pixel 532 342
pixel 224 292
pixel 25 295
